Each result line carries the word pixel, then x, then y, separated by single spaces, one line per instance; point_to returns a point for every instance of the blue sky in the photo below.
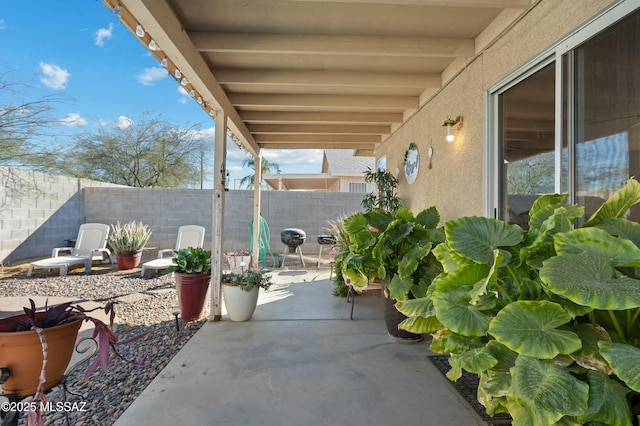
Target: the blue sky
pixel 79 49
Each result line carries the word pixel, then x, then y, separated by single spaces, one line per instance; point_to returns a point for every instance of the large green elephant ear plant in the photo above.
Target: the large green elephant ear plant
pixel 358 265
pixel 403 252
pixel 548 317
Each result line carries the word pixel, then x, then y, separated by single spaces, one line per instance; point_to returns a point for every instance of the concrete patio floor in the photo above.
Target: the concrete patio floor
pixel 301 361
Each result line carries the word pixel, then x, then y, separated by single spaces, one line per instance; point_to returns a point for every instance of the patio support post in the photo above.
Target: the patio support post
pixel 257 192
pixel 220 166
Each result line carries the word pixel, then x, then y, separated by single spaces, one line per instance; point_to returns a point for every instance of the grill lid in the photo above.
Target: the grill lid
pixel 293 237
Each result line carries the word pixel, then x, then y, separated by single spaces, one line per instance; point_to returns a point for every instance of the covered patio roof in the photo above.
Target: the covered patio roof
pixel 310 74
pixel 314 73
pixel 298 181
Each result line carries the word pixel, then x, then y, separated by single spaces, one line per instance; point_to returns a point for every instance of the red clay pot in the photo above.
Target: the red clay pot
pixel 128 259
pixel 21 351
pixel 192 293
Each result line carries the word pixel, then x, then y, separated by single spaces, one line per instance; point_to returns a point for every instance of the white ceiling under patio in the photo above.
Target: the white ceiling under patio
pixel 342 74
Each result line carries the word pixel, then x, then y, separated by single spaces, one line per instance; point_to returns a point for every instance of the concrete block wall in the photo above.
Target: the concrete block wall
pixel 164 210
pixel 38 212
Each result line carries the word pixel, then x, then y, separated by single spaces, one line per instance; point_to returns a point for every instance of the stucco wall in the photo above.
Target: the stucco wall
pixel 454 183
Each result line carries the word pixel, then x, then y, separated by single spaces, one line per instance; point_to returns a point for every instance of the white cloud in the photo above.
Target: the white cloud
pixel 53 76
pixel 150 75
pixel 234 153
pixel 184 96
pixel 103 34
pixel 2 25
pixel 205 134
pixel 235 169
pixel 123 122
pixel 73 119
pixel 285 157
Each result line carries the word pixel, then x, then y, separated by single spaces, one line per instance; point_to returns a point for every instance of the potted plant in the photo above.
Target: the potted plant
pixel 127 241
pixel 357 265
pixel 546 317
pixel 240 292
pixel 385 198
pixel 405 261
pixel 192 270
pixel 336 227
pixel 37 347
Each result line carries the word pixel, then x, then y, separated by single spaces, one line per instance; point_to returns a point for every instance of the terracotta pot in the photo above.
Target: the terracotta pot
pixel 192 293
pixel 21 351
pixel 128 259
pixel 240 304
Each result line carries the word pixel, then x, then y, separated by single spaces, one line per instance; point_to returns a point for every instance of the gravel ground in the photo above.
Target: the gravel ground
pixel 105 396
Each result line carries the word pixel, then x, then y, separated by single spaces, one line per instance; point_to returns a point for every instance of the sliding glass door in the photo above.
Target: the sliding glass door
pixel 527 139
pixel 607 112
pixel 569 123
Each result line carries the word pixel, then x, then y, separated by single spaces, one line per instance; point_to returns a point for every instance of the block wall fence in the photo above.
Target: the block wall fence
pixel 40 211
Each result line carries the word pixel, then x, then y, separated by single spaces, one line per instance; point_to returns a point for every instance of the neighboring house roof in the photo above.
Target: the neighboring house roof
pixel 344 162
pixel 336 163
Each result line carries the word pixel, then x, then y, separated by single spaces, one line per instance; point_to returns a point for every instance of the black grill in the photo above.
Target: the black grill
pixel 327 239
pixel 292 238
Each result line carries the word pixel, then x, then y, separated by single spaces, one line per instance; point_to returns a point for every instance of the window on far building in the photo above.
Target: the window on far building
pixel 357 187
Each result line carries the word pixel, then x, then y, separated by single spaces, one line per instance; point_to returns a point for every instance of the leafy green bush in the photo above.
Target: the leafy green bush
pixel 356 262
pixel 548 317
pixel 403 253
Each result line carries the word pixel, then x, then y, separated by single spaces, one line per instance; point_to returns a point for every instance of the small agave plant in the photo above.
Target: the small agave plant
pixel 546 317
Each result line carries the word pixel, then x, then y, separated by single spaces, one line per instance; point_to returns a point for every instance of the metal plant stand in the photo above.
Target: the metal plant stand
pixel 351 299
pixel 86 345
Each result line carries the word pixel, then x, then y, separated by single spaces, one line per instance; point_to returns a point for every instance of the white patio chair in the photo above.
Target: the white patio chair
pixel 188 236
pixel 91 244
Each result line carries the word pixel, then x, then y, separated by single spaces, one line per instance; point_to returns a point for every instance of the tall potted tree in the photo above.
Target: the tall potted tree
pixel 127 241
pixel 385 198
pixel 192 271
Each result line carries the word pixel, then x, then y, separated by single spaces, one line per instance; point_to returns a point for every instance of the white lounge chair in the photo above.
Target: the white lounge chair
pixel 91 244
pixel 188 236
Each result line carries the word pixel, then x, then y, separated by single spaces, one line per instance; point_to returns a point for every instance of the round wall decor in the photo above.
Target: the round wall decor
pixel 411 163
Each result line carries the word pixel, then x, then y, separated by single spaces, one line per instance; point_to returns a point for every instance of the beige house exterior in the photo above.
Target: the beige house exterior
pixel 342 171
pixel 462 179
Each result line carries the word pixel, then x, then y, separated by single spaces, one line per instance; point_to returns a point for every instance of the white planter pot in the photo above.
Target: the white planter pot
pixel 240 304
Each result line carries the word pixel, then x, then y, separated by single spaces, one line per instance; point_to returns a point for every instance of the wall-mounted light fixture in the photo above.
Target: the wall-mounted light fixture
pixel 452 125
